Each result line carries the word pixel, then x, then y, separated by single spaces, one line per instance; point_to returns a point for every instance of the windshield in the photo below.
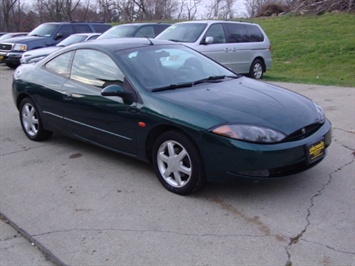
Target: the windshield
pixel 159 67
pixel 119 32
pixel 72 39
pixel 184 32
pixel 44 30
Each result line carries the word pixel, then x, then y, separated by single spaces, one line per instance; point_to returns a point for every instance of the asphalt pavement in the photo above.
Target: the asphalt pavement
pixel 63 202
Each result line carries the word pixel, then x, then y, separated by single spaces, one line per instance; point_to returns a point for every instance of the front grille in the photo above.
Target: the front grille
pixel 303 132
pixel 292 169
pixel 5 47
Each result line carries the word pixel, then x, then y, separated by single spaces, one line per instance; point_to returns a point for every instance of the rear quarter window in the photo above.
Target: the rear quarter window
pixel 242 33
pixel 254 33
pixel 60 65
pixel 101 28
pixel 82 28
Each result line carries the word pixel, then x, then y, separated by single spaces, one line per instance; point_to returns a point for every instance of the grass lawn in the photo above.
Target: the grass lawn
pixel 312 49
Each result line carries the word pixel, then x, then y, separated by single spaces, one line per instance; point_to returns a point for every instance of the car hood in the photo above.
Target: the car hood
pixel 42 51
pixel 246 101
pixel 23 39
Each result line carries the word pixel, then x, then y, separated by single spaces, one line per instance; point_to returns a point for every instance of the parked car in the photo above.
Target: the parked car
pixel 243 47
pixel 36 55
pixel 47 34
pixel 164 103
pixel 149 30
pixel 8 35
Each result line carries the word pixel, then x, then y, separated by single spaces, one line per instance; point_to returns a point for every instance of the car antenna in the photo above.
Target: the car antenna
pixel 151 43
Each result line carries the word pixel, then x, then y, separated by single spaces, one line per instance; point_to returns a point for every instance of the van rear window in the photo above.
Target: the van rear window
pixel 255 34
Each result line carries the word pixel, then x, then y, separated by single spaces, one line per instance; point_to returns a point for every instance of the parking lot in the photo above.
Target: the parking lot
pixel 82 205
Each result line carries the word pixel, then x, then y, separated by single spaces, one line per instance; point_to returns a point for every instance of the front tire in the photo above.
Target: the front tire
pixel 10 65
pixel 31 121
pixel 177 163
pixel 256 69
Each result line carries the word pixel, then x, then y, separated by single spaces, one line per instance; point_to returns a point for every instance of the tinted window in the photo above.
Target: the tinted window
pixel 82 28
pixel 255 34
pixel 95 68
pixel 159 28
pixel 101 27
pixel 217 32
pixel 66 30
pixel 145 31
pixel 236 32
pixel 60 64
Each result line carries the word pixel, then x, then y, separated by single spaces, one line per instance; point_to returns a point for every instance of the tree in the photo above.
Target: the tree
pixel 220 9
pixel 6 8
pixel 61 10
pixel 188 9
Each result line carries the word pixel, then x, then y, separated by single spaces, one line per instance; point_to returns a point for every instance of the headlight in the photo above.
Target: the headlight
pixel 320 113
pixel 249 133
pixel 20 47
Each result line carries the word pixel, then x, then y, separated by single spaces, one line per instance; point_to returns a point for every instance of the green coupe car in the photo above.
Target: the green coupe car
pixel 194 120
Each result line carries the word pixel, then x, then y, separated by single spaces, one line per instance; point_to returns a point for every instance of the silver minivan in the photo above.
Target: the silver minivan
pixel 241 46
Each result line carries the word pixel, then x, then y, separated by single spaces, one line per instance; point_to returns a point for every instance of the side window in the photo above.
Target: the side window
pixel 236 32
pixel 255 34
pixel 95 68
pixel 217 32
pixel 82 28
pixel 60 64
pixel 101 27
pixel 146 31
pixel 66 30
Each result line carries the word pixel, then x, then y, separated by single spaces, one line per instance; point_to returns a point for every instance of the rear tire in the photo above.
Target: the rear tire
pixel 31 121
pixel 256 69
pixel 177 163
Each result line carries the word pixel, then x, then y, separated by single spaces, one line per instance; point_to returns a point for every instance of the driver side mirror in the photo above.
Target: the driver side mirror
pixel 117 90
pixel 208 40
pixel 58 36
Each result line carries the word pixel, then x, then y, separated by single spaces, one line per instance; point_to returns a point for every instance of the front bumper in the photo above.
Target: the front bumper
pixel 226 159
pixel 11 58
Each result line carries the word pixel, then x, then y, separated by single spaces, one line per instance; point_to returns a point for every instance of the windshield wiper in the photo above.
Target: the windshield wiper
pixel 190 84
pixel 174 86
pixel 210 78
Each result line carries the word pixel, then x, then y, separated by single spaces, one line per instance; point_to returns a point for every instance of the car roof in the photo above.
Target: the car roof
pixel 143 24
pixel 213 21
pixel 73 22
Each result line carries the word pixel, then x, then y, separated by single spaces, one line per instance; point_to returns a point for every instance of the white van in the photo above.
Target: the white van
pixel 241 46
